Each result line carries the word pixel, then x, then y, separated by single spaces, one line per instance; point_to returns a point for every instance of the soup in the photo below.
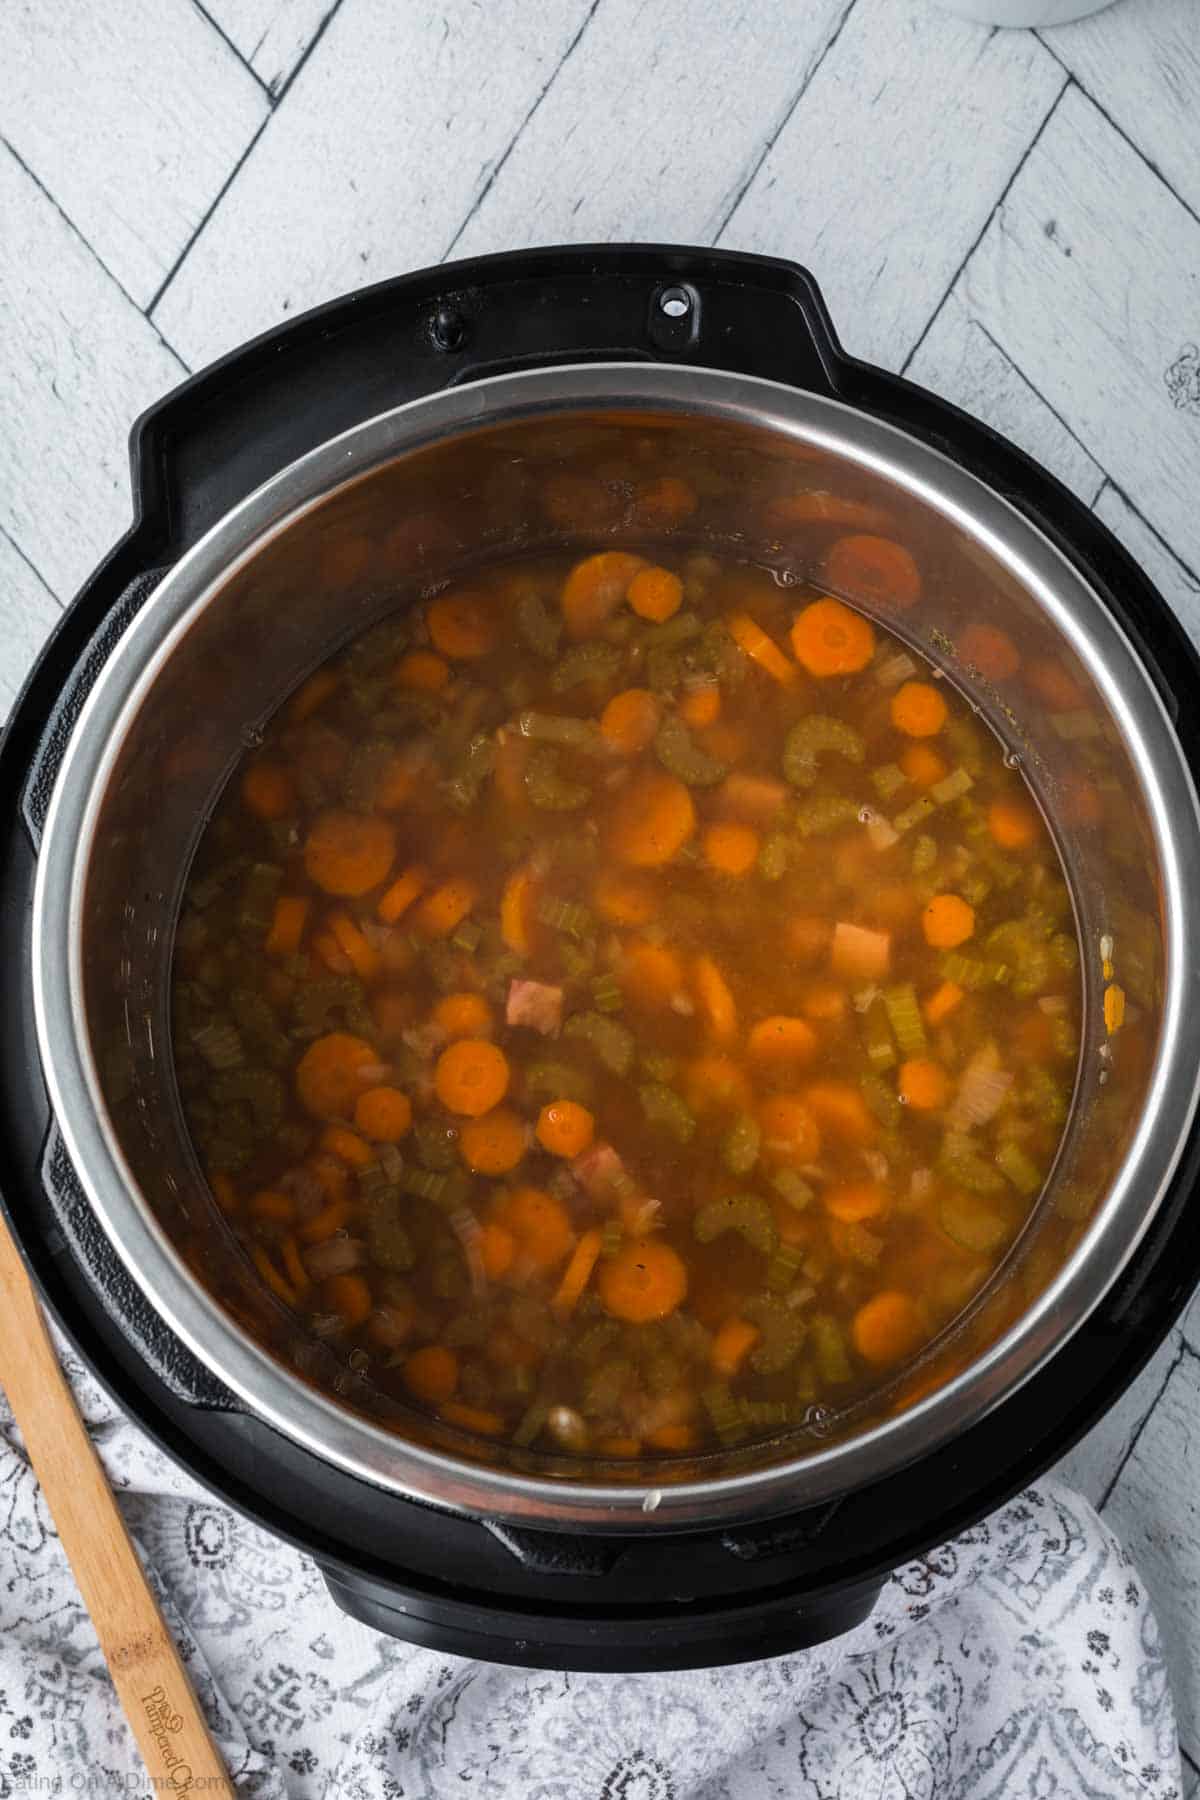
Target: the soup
pixel 629 1006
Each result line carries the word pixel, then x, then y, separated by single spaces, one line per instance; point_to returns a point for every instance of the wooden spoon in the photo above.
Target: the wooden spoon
pixel 147 1672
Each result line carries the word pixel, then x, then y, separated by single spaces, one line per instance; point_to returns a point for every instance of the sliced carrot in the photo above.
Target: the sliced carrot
pixel 825 1002
pixel 595 588
pixel 540 1225
pixel 224 1192
pixel 887 1328
pixel 312 694
pixel 331 1217
pixel 664 502
pixel 672 1438
pixel 444 910
pixel 644 1281
pixel 948 921
pixel 268 791
pixel 853 1201
pixel 731 849
pixel 421 671
pixel 816 506
pixel 857 954
pixel 350 1296
pixel 873 568
pixel 497 1246
pixel 463 1015
pixel 495 1143
pixel 942 1002
pixel 652 820
pixel 462 624
pixel 733 1342
pixel 717 1007
pixel 478 1419
pixel 329 1076
pixel 359 952
pixel 715 1084
pixel 471 1077
pixel 1013 824
pixel 287 925
pixel 724 740
pixel 923 1084
pixel 395 902
pixel 268 1203
pixel 348 853
pixel 625 899
pixel 293 1265
pixel 780 1040
pixel 922 764
pixel 808 936
pixel 753 799
pixel 383 1114
pixel 918 709
pixel 761 649
pixel 270 1274
pixel 579 502
pixel 1051 683
pixel 701 706
pixel 616 1446
pixel 828 639
pixel 790 1133
pixel 516 912
pixel 991 651
pixel 565 1128
pixel 841 1111
pixel 431 1374
pixel 354 1150
pixel 630 720
pixel 578 1272
pixel 655 594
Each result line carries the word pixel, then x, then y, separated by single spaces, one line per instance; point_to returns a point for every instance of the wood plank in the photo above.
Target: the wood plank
pixel 1177 585
pixel 1155 1511
pixel 1089 279
pixel 958 359
pixel 1096 1458
pixel 28 614
pixel 132 117
pixel 78 362
pixel 887 171
pixel 643 134
pixel 1142 64
pixel 272 35
pixel 387 137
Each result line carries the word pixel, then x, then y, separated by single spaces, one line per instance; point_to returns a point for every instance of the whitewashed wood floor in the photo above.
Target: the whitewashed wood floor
pixel 1008 217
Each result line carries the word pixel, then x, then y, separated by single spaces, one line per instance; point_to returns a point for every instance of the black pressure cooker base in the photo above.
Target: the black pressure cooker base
pixel 460 1584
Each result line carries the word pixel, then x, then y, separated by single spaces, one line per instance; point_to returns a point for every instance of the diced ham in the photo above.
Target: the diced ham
pixel 535 1004
pixel 598 1171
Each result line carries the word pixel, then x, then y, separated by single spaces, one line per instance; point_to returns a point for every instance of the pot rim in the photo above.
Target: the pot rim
pixel 284 1399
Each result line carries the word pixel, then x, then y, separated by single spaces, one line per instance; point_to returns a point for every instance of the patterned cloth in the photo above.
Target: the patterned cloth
pixel 1020 1660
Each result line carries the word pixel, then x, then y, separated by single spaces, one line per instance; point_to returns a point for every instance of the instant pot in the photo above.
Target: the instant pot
pixel 283 499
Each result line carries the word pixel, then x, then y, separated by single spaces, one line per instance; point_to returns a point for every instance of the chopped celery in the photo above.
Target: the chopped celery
pixel 877 1036
pixel 783 1334
pixel 888 780
pixel 916 814
pixel 740 1145
pixel 683 758
pixel 793 1188
pixel 819 735
pixel 924 854
pixel 612 1042
pixel 971 1225
pixel 663 1107
pixel 747 1214
pixel 829 812
pixel 952 787
pixel 904 1016
pixel 1024 1174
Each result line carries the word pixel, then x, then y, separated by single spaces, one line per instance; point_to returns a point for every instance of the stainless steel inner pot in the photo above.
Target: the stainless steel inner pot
pixel 362 525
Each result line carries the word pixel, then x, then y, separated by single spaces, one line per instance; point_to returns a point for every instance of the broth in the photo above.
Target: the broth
pixel 629 1005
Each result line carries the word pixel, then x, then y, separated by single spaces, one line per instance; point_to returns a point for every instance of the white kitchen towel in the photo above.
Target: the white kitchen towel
pixel 1020 1660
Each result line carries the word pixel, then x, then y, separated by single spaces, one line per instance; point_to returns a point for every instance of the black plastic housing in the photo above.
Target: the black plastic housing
pixel 454 1583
